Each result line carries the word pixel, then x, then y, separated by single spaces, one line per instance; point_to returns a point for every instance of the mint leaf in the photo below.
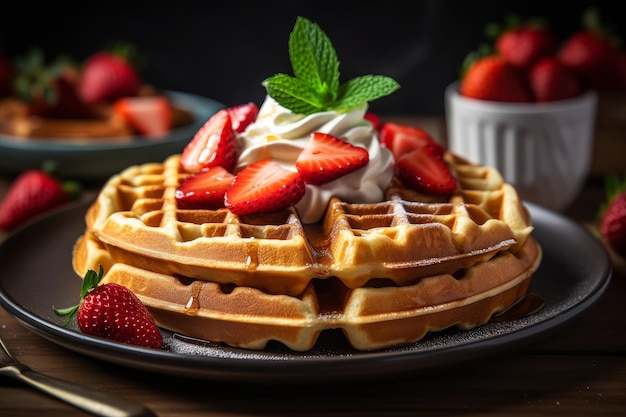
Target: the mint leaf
pixel 315 86
pixel 293 94
pixel 313 58
pixel 364 89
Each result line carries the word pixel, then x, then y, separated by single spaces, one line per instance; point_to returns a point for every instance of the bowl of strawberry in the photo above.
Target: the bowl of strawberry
pixel 526 103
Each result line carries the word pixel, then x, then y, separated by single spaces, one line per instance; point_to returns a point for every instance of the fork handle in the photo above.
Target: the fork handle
pixel 92 401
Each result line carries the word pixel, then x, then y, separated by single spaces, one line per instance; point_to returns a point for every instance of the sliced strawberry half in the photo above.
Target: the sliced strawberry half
pixel 326 158
pixel 242 115
pixel 204 189
pixel 262 187
pixel 402 139
pixel 215 143
pixel 150 116
pixel 425 170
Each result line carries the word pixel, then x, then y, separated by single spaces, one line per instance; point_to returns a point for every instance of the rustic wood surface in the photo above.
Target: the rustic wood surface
pixel 579 371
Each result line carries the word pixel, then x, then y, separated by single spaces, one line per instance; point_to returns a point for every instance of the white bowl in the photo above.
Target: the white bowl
pixel 543 149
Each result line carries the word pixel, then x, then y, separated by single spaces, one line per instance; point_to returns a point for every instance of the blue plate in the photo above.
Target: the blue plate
pixel 98 159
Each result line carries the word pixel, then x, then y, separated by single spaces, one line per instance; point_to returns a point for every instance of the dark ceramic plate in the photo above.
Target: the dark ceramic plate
pixel 37 275
pixel 98 159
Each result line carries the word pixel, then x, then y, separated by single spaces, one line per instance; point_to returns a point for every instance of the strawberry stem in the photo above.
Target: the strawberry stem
pixel 90 281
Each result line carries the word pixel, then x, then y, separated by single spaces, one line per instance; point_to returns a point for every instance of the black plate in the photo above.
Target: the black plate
pixel 37 275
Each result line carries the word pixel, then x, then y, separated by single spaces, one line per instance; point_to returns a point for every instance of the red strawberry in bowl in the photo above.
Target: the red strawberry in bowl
pixel 551 80
pixel 523 42
pixel 113 312
pixel 491 77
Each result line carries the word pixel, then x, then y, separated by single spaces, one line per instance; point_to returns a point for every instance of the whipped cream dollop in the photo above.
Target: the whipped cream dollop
pixel 280 135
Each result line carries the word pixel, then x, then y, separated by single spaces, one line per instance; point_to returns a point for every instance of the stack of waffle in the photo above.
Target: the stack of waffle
pixel 384 273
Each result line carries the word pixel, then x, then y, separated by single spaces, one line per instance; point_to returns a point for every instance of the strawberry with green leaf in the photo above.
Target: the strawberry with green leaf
pixel 315 86
pixel 113 312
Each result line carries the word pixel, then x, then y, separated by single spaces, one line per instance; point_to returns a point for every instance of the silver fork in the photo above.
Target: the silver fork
pixel 94 402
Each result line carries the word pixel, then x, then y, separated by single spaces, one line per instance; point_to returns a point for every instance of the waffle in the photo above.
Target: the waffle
pixel 384 273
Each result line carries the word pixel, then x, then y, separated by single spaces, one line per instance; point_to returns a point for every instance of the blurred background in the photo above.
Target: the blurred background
pixel 223 50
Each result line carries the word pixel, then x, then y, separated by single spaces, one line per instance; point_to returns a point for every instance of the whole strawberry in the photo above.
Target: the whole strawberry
pixel 113 312
pixel 488 76
pixel 109 75
pixel 523 42
pixel 613 216
pixel 32 193
pixel 49 88
pixel 593 54
pixel 551 80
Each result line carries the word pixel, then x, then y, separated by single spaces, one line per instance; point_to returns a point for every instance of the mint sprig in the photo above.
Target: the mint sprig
pixel 315 86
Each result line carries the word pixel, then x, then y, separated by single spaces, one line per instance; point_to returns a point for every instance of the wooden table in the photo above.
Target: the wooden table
pixel 579 371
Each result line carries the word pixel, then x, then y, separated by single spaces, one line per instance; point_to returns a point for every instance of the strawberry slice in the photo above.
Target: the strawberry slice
pixel 402 139
pixel 204 189
pixel 425 170
pixel 262 187
pixel 150 116
pixel 215 143
pixel 326 158
pixel 242 115
pixel 374 119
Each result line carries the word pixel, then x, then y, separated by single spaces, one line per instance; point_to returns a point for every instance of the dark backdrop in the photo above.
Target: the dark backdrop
pixel 223 50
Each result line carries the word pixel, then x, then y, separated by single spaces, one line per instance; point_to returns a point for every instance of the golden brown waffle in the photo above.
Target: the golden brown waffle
pixel 137 218
pixel 370 317
pixel 384 273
